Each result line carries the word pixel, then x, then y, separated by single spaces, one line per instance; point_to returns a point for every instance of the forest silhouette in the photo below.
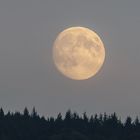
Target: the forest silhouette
pixel 30 126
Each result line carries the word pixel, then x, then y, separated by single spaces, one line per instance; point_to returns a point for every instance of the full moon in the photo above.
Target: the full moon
pixel 78 53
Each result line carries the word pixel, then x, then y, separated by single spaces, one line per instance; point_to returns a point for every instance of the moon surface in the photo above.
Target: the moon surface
pixel 78 53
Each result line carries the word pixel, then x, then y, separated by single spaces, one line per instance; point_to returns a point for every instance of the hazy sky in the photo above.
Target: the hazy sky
pixel 28 76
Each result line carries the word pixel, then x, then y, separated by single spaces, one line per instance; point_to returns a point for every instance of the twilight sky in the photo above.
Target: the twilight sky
pixel 28 76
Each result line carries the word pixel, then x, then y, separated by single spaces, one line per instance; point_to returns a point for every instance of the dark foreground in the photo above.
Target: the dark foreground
pixel 17 126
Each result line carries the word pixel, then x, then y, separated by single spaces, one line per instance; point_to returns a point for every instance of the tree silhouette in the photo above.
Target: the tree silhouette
pixel 26 112
pixel 30 126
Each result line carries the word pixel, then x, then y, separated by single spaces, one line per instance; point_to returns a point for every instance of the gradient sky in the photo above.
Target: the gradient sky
pixel 28 76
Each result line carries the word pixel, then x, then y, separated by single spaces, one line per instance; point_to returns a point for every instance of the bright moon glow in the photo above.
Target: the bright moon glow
pixel 78 53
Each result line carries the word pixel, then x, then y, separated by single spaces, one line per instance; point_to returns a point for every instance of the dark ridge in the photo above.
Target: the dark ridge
pixel 30 126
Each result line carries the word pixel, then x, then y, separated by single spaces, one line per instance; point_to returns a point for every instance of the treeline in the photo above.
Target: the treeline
pixel 30 126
